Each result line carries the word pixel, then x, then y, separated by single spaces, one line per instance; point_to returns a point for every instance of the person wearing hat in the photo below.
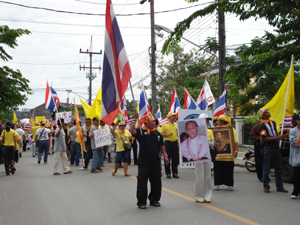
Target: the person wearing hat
pixel 122 137
pixel 294 159
pixel 210 136
pixel 215 121
pixel 98 154
pixel 223 168
pixel 271 151
pixel 170 134
pixel 149 162
pixel 255 136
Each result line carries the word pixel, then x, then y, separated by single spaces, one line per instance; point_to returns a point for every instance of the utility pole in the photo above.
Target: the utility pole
pixel 222 51
pixel 152 56
pixel 69 91
pixel 90 75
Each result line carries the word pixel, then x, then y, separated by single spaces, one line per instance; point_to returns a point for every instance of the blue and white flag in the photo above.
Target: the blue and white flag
pixel 158 113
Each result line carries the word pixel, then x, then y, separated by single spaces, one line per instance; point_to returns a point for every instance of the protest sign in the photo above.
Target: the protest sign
pixel 102 137
pixel 67 116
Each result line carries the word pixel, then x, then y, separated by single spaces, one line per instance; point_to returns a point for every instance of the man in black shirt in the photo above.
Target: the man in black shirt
pixel 271 151
pixel 151 142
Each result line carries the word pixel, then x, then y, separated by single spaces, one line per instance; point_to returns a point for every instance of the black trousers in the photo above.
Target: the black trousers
pixel 223 172
pixel 296 190
pixel 173 154
pixel 1 155
pixel 134 149
pixel 151 172
pixel 9 156
pixel 258 160
pixel 87 155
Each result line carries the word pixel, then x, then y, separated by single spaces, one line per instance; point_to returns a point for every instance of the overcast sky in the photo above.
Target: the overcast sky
pixel 51 52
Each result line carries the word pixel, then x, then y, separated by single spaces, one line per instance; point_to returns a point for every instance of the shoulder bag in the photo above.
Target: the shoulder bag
pixel 127 146
pixel 38 141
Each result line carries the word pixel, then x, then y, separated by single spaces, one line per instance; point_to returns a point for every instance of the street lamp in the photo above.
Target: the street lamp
pixel 160 27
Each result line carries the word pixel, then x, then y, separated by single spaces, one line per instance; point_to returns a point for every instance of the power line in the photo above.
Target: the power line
pixel 98 3
pixel 100 14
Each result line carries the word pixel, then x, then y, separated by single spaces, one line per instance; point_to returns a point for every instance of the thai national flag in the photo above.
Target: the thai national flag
pixel 163 121
pixel 175 106
pixel 124 108
pixel 27 127
pixel 158 114
pixel 49 101
pixel 55 96
pixel 144 105
pixel 288 124
pixel 189 102
pixel 201 101
pixel 116 68
pixel 221 106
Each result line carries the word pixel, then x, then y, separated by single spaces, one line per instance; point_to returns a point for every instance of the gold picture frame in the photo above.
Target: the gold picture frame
pixel 224 145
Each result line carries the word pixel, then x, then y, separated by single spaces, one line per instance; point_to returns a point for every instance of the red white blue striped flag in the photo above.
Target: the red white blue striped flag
pixel 116 68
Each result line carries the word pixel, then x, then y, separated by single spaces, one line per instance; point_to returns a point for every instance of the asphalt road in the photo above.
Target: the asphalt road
pixel 34 196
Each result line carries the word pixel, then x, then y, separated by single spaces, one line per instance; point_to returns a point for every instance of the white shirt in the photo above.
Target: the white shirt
pixel 45 135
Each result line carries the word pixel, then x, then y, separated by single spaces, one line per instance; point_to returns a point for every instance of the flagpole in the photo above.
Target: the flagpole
pixel 286 98
pixel 134 103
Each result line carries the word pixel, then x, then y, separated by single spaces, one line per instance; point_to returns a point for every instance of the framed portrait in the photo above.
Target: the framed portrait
pixel 224 142
pixel 193 142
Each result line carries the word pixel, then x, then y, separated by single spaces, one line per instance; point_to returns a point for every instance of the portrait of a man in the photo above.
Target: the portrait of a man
pixel 222 145
pixel 195 146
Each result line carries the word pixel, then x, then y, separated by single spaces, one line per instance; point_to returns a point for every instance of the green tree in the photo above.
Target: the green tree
pixel 185 70
pixel 266 61
pixel 14 88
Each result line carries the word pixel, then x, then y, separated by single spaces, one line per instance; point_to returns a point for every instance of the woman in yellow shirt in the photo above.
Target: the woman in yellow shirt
pixel 120 150
pixel 9 146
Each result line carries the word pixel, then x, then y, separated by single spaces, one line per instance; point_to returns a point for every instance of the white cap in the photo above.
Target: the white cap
pixel 204 116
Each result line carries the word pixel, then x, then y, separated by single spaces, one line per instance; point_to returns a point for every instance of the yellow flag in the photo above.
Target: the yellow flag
pixel 95 110
pixel 15 118
pixel 277 104
pixel 86 107
pixel 138 111
pixel 78 133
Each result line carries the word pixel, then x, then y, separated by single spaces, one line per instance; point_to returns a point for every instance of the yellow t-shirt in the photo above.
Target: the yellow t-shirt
pixel 33 131
pixel 170 128
pixel 9 137
pixel 210 135
pixel 17 139
pixel 235 138
pixel 126 138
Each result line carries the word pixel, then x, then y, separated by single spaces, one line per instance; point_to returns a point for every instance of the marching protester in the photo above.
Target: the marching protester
pixel 74 146
pixel 294 160
pixel 2 127
pixel 151 143
pixel 123 138
pixel 271 151
pixel 223 168
pixel 60 149
pixel 35 145
pixel 9 146
pixel 21 133
pixel 43 134
pixel 170 134
pixel 215 121
pixel 18 139
pixel 255 136
pixel 97 152
pixel 67 140
pixel 203 189
pixel 88 155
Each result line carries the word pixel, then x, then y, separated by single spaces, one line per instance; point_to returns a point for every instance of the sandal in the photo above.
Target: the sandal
pixel 127 175
pixel 113 173
pixel 155 204
pixel 142 206
pixel 230 188
pixel 57 173
pixel 216 188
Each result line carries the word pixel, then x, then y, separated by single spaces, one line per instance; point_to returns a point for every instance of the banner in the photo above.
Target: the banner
pixel 67 116
pixel 40 118
pixel 102 137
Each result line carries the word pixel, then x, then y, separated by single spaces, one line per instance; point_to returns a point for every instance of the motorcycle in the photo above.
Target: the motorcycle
pixel 250 160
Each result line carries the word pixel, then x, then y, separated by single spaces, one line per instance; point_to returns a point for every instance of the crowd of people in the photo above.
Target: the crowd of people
pixel 150 143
